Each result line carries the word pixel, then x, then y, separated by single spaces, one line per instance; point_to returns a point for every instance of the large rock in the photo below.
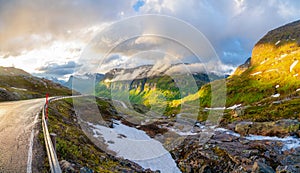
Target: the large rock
pixel 67 166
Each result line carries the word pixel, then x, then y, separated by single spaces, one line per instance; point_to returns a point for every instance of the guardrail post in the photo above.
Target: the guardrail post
pixel 53 139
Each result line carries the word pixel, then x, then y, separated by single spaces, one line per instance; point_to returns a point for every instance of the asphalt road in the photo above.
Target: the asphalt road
pixel 17 129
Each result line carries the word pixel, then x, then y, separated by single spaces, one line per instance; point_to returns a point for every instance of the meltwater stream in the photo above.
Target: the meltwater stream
pixel 137 146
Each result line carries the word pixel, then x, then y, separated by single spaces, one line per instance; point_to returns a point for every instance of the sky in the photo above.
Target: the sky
pixel 47 38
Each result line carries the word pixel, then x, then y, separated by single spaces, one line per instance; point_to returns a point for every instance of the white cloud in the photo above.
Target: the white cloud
pixel 223 20
pixel 34 33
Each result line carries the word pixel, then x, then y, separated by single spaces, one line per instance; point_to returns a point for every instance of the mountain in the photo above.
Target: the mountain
pixel 16 84
pixel 55 80
pixel 273 69
pixel 152 85
pixel 267 85
pixel 145 72
pixel 84 83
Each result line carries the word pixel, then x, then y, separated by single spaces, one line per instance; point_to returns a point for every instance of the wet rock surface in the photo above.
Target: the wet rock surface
pixel 279 128
pixel 229 153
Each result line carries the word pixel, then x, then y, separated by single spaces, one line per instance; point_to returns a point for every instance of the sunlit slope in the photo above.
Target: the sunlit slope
pixel 156 90
pixel 16 84
pixel 272 73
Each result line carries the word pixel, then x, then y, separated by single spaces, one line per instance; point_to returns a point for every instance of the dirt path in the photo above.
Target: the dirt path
pixel 17 130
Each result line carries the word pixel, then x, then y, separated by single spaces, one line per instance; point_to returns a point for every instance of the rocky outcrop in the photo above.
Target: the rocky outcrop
pixel 279 128
pixel 243 67
pixel 236 154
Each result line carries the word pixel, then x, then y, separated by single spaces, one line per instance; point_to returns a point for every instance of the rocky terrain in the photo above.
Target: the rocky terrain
pixel 229 153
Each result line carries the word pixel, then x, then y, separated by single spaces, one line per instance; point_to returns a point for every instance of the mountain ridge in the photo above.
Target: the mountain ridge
pixel 16 84
pixel 270 77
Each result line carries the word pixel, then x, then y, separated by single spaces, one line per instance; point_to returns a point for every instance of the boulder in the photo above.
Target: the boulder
pixel 66 166
pixel 86 170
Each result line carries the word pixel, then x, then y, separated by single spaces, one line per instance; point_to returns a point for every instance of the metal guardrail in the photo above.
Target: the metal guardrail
pixel 53 161
pixel 52 157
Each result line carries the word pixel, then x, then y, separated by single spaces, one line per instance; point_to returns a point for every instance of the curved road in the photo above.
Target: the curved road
pixel 17 125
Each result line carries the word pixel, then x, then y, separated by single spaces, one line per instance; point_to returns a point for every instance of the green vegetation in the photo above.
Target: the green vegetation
pixel 16 84
pixel 273 112
pixel 155 93
pixel 74 146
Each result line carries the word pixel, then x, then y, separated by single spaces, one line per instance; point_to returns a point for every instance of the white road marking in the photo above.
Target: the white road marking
pixel 29 160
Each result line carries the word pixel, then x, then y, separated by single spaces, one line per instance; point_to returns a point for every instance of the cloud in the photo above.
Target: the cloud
pixel 223 21
pixel 58 69
pixel 207 68
pixel 29 28
pixel 27 25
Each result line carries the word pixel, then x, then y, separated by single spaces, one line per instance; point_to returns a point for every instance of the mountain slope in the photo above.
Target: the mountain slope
pixel 270 77
pixel 152 86
pixel 16 84
pixel 273 69
pixel 82 83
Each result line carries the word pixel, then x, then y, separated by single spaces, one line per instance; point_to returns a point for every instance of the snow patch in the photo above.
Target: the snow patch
pixel 216 108
pixel 234 106
pixel 253 74
pixel 275 95
pixel 263 61
pixel 21 89
pixel 283 56
pixel 272 70
pixel 136 146
pixel 293 65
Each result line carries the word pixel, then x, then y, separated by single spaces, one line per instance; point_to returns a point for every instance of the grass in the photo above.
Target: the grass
pixel 17 85
pixel 73 145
